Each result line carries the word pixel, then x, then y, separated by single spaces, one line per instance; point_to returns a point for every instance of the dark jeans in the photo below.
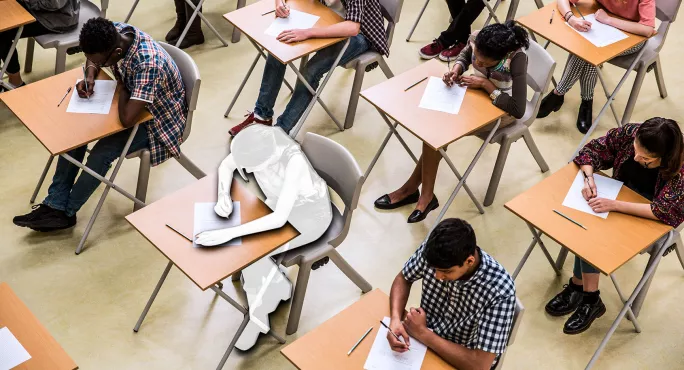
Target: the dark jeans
pixel 7 37
pixel 463 14
pixel 67 196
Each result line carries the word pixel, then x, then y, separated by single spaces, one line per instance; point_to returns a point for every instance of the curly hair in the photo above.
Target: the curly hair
pixel 450 244
pixel 497 40
pixel 663 137
pixel 98 35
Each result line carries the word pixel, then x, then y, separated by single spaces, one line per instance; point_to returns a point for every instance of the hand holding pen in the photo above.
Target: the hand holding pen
pixel 394 330
pixel 282 10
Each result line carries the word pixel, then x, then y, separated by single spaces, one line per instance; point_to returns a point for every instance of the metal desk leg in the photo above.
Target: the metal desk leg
pixel 630 313
pixel 512 10
pixel 393 129
pixel 465 186
pixel 415 24
pixel 524 259
pixel 153 296
pixel 7 85
pixel 42 178
pixel 196 13
pixel 492 11
pixel 612 108
pixel 537 237
pixel 130 12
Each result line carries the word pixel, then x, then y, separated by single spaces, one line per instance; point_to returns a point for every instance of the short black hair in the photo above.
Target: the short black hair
pixel 497 40
pixel 98 35
pixel 450 244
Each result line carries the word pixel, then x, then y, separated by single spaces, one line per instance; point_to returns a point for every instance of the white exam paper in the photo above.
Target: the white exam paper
pixel 99 103
pixel 600 34
pixel 12 353
pixel 206 219
pixel 296 20
pixel 606 188
pixel 381 356
pixel 440 97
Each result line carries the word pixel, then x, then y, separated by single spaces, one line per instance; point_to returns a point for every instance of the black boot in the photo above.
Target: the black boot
pixel 584 116
pixel 590 309
pixel 194 35
pixel 551 103
pixel 179 26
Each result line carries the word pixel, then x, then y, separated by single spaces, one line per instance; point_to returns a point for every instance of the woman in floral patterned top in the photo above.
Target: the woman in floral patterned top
pixel 649 159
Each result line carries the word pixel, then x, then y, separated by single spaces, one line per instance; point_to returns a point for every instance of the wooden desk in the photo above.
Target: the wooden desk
pixel 13 16
pixel 326 347
pixel 206 267
pixel 251 21
pixel 45 352
pixel 437 129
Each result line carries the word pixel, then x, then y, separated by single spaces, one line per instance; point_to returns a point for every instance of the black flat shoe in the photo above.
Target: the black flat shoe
pixel 565 302
pixel 550 103
pixel 584 116
pixel 583 317
pixel 418 215
pixel 384 201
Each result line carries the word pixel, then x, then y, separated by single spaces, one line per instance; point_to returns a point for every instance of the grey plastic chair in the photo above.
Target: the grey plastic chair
pixel 540 66
pixel 666 12
pixel 64 41
pixel 517 319
pixel 339 169
pixel 391 9
pixel 191 80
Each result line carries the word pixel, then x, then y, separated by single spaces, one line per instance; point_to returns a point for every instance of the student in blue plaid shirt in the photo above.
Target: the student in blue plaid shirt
pixel 150 80
pixel 467 304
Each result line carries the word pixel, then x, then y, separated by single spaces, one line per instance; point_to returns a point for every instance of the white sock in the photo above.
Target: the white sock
pixel 260 117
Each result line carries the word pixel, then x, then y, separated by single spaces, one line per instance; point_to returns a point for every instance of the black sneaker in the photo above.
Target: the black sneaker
pixel 47 220
pixel 584 316
pixel 38 211
pixel 564 302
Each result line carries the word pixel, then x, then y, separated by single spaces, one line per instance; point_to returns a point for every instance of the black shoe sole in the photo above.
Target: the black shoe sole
pixel 583 329
pixel 558 314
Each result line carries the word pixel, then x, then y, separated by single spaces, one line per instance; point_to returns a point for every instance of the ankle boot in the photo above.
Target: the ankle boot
pixel 194 35
pixel 551 103
pixel 584 119
pixel 179 26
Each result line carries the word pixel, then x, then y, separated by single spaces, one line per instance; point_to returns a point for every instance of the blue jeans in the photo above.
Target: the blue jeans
pixel 320 64
pixel 583 267
pixel 67 196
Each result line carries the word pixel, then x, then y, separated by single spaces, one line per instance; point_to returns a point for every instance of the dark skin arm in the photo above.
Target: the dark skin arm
pixel 129 109
pixel 398 297
pixel 91 72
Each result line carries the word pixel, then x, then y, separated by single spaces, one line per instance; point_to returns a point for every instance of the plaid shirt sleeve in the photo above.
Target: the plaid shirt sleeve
pixel 145 76
pixel 355 10
pixel 415 268
pixel 496 325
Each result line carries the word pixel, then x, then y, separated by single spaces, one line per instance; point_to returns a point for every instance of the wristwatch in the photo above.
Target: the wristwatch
pixel 495 94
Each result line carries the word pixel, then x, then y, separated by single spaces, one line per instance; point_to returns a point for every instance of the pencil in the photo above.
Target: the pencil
pixel 553 12
pixel 269 12
pixel 578 11
pixel 569 219
pixel 64 97
pixel 85 81
pixel 408 88
pixel 357 343
pixel 390 330
pixel 178 232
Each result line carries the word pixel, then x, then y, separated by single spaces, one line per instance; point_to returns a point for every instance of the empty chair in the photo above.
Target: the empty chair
pixel 63 41
pixel 540 66
pixel 517 318
pixel 338 168
pixel 391 9
pixel 666 12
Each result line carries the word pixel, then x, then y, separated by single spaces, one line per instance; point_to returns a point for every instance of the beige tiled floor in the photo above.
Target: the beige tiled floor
pixel 91 302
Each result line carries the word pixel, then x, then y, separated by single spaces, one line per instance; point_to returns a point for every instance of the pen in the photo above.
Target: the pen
pixel 569 219
pixel 357 343
pixel 178 232
pixel 408 88
pixel 578 11
pixel 269 12
pixel 390 330
pixel 64 97
pixel 553 12
pixel 85 81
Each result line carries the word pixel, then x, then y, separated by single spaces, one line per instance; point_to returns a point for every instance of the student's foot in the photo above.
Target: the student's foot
pixel 431 50
pixel 551 103
pixel 585 315
pixel 251 119
pixel 191 40
pixel 584 116
pixel 43 218
pixel 174 34
pixel 450 54
pixel 385 202
pixel 2 88
pixel 566 301
pixel 417 215
pixel 38 211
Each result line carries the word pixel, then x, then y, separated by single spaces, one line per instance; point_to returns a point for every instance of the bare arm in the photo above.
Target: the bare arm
pixel 457 355
pixel 625 25
pixel 342 29
pixel 398 297
pixel 224 204
pixel 129 109
pixel 636 209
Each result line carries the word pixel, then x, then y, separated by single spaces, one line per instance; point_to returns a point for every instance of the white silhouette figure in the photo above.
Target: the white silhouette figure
pixel 294 192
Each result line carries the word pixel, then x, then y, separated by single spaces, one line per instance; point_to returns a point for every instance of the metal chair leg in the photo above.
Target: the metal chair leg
pixel 28 62
pixel 352 274
pixel 60 61
pixel 659 78
pixel 498 170
pixel 143 179
pixel 190 166
pixel 354 97
pixel 634 94
pixel 236 32
pixel 42 178
pixel 532 146
pixel 298 298
pixel 385 68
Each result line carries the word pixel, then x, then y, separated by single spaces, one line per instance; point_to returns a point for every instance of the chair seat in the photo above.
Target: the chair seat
pixel 295 256
pixel 650 56
pixel 69 39
pixel 364 59
pixel 516 128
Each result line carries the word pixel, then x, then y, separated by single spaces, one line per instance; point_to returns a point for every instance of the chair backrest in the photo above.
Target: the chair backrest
pixel 517 319
pixel 191 80
pixel 666 10
pixel 391 10
pixel 540 67
pixel 104 4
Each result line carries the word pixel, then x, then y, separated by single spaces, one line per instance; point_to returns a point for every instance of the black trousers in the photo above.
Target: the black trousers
pixel 463 14
pixel 7 37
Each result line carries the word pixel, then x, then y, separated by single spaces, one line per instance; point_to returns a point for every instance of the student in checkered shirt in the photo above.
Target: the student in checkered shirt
pixel 364 26
pixel 467 304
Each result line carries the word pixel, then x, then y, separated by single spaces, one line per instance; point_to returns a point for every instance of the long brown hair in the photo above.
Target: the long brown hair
pixel 663 138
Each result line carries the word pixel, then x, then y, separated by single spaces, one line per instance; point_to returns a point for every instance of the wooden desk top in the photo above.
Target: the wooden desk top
pixel 251 21
pixel 564 36
pixel 326 347
pixel 606 244
pixel 206 266
pixel 13 16
pixel 45 352
pixel 437 129
pixel 36 106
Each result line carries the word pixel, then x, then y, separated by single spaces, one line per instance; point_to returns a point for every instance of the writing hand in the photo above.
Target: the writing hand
pixel 398 328
pixel 81 90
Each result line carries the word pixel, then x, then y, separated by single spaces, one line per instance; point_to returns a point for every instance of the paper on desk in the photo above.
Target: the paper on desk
pixel 600 34
pixel 381 356
pixel 440 97
pixel 12 353
pixel 206 219
pixel 296 20
pixel 99 103
pixel 606 188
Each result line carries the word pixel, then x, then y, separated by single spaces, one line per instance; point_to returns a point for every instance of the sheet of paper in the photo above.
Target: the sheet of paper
pixel 605 186
pixel 601 34
pixel 296 20
pixel 12 353
pixel 99 103
pixel 206 219
pixel 381 356
pixel 440 97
